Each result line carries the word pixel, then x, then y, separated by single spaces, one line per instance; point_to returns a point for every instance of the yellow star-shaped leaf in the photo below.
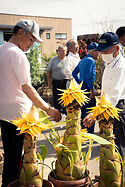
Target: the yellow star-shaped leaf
pixel 104 109
pixel 31 123
pixel 74 92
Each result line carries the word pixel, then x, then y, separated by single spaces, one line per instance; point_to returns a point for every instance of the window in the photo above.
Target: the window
pixel 1 37
pixel 47 35
pixel 7 36
pixel 61 36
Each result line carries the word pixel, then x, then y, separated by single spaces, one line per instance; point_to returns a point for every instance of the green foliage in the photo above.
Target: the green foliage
pixel 45 61
pixel 46 58
pixel 43 151
pixel 38 65
pixel 42 156
pixel 35 66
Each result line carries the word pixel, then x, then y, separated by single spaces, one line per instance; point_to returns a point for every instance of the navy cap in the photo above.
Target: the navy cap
pixel 92 45
pixel 107 40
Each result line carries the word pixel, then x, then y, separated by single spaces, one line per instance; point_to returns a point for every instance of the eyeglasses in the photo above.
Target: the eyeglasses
pixel 26 33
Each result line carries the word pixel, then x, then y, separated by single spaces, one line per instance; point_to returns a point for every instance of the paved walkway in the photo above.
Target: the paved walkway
pixel 93 165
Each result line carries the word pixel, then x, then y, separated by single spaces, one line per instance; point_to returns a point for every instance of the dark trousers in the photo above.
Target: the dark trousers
pixel 84 113
pixel 58 84
pixel 85 108
pixel 12 145
pixel 119 128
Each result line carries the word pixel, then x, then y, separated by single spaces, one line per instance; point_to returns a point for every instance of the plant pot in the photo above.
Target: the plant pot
pixel 46 183
pixel 77 183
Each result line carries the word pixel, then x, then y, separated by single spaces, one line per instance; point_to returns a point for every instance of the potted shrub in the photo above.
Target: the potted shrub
pixel 111 164
pixel 70 166
pixel 31 125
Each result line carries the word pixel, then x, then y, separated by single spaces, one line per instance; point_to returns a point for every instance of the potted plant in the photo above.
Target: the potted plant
pixel 70 166
pixel 31 125
pixel 111 164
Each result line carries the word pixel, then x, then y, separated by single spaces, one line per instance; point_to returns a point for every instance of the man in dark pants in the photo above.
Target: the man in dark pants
pixel 113 83
pixel 85 71
pixel 58 84
pixel 12 145
pixel 17 94
pixel 57 77
pixel 119 127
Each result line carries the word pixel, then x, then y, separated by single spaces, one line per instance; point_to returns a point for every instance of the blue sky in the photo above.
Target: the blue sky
pixel 88 16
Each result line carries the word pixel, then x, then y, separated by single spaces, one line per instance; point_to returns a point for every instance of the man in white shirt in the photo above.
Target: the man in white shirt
pixel 113 83
pixel 73 58
pixel 121 34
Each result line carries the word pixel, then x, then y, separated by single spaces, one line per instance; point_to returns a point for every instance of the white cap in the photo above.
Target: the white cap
pixel 30 26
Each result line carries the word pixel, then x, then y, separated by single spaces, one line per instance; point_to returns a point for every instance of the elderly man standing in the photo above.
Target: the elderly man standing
pixel 17 94
pixel 113 83
pixel 72 58
pixel 57 78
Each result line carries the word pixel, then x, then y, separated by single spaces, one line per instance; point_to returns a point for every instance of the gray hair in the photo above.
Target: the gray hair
pixel 69 43
pixel 61 47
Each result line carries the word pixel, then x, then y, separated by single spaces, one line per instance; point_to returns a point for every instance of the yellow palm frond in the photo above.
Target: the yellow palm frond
pixel 104 109
pixel 31 123
pixel 74 92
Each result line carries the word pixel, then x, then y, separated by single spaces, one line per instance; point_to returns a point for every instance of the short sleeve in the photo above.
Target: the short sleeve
pixel 49 67
pixel 21 67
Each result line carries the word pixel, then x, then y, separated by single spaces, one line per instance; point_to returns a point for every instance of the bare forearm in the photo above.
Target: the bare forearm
pixel 40 103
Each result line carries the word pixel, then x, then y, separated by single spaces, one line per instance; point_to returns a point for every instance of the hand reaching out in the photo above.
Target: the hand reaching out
pixel 54 113
pixel 88 121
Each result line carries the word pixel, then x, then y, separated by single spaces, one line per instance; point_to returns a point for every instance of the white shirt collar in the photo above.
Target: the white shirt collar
pixel 114 61
pixel 74 55
pixel 121 49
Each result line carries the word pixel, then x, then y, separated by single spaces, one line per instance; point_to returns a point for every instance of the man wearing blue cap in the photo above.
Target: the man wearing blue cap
pixel 113 83
pixel 85 71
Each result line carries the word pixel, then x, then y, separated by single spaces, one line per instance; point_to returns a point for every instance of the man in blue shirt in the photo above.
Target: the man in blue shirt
pixel 85 71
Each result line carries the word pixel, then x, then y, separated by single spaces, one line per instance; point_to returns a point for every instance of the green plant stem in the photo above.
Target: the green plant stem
pixel 89 178
pixel 49 168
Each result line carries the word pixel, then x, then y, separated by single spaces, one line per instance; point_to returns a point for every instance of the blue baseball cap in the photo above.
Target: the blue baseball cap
pixel 107 40
pixel 92 45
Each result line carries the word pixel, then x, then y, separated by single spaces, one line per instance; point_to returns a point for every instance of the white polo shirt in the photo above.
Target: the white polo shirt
pixel 113 80
pixel 121 49
pixel 14 72
pixel 72 61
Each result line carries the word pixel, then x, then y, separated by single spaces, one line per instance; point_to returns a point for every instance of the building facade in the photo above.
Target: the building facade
pixel 54 31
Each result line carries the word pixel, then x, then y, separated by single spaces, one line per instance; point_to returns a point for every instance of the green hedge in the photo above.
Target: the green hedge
pixel 38 66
